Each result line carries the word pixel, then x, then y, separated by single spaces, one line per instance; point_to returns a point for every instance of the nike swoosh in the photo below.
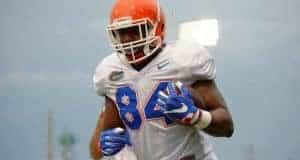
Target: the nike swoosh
pixel 162 65
pixel 182 109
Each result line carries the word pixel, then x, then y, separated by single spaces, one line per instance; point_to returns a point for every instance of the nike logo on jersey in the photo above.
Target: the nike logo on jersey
pixel 182 109
pixel 162 65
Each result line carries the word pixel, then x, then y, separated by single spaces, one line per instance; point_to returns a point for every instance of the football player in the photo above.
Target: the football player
pixel 163 96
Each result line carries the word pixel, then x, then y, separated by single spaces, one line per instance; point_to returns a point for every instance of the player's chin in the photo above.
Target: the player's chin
pixel 137 55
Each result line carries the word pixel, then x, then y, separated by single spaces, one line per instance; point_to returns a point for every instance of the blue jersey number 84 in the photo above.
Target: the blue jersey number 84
pixel 127 102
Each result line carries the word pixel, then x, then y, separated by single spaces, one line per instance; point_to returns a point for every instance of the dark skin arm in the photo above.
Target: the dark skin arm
pixel 207 96
pixel 108 119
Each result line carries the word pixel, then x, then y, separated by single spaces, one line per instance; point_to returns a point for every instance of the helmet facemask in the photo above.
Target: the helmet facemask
pixel 147 42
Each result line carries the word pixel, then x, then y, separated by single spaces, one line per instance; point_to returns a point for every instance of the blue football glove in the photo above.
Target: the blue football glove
pixel 178 106
pixel 114 140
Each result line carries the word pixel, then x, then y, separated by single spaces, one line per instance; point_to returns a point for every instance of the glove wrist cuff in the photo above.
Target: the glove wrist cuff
pixel 204 120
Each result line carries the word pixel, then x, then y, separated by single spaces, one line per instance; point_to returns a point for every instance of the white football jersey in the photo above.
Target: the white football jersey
pixel 154 136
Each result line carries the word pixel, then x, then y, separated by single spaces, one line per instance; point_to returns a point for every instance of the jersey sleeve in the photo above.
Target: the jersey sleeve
pixel 100 78
pixel 202 66
pixel 196 63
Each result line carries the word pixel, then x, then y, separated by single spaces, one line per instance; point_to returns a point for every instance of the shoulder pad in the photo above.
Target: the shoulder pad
pixel 102 72
pixel 195 59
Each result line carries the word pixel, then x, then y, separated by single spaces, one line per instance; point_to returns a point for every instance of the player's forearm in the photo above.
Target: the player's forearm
pixel 207 97
pixel 95 152
pixel 221 124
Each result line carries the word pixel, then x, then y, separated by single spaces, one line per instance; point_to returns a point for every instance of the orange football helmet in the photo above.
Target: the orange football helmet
pixel 147 18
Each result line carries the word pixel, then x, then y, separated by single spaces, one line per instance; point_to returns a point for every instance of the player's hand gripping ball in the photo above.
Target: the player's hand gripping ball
pixel 113 141
pixel 177 104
